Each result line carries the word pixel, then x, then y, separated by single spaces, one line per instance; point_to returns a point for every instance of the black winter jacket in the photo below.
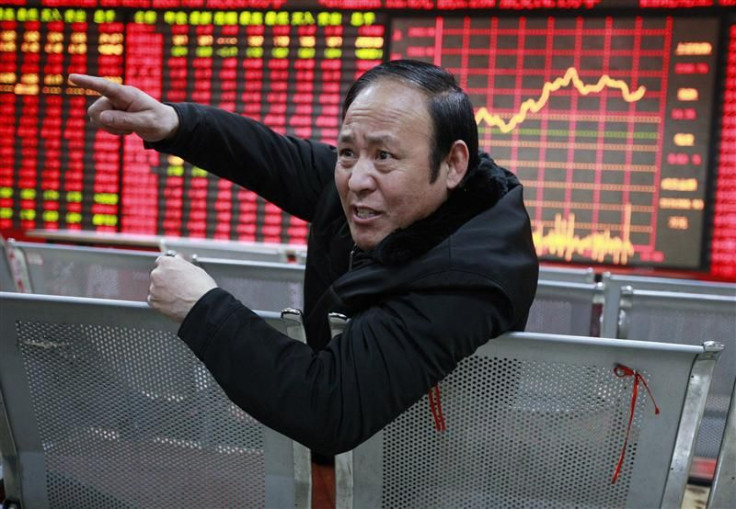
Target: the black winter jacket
pixel 423 299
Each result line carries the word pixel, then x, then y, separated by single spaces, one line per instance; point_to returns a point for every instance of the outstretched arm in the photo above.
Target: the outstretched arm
pixel 123 109
pixel 287 171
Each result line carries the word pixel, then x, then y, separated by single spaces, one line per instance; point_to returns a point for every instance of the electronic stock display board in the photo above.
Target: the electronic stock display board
pixel 619 116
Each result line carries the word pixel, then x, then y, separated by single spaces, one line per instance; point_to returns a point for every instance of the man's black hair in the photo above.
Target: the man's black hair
pixel 449 106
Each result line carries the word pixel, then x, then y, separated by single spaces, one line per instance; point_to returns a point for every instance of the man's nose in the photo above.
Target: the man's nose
pixel 362 178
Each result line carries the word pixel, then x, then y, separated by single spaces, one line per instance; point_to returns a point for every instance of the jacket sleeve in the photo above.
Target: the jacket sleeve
pixel 333 399
pixel 287 171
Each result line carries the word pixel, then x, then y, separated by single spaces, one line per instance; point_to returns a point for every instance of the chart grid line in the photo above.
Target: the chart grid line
pixel 577 107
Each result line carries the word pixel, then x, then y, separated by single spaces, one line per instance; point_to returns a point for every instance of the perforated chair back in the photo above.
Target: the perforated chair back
pixel 535 420
pixel 76 271
pixel 567 274
pixel 688 318
pixel 723 491
pixel 615 282
pixel 244 251
pixel 562 307
pixel 103 406
pixel 258 285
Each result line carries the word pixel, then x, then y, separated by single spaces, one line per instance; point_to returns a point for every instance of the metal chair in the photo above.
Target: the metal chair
pixel 541 420
pixel 562 307
pixel 76 271
pixel 103 406
pixel 688 318
pixel 614 282
pixel 258 285
pixel 723 491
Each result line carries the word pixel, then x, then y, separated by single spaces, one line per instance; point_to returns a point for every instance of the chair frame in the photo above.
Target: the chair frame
pixel 7 282
pixel 272 271
pixel 705 358
pixel 568 274
pixel 614 284
pixel 31 281
pixel 629 295
pixel 723 490
pixel 564 291
pixel 677 300
pixel 234 276
pixel 231 250
pixel 18 432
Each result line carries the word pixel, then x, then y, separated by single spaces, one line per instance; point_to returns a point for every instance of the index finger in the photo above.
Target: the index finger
pixel 102 86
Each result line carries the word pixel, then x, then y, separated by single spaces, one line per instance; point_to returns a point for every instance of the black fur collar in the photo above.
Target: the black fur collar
pixel 480 190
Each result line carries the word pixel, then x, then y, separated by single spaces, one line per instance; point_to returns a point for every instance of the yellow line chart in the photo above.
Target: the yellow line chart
pixel 571 76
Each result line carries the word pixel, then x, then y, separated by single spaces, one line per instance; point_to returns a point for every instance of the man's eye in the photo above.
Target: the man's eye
pixel 382 154
pixel 346 152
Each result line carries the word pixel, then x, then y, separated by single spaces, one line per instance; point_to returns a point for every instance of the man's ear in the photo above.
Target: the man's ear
pixel 457 163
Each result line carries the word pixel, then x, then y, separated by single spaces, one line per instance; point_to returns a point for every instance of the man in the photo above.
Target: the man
pixel 422 242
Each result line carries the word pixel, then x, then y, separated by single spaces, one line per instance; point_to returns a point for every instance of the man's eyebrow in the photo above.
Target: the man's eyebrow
pixel 379 139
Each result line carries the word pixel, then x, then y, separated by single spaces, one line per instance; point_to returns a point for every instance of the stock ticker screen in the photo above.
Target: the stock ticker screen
pixel 618 116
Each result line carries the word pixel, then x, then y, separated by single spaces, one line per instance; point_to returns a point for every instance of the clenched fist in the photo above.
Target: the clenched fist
pixel 176 286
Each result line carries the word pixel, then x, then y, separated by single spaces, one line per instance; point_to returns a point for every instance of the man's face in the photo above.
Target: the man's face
pixel 383 171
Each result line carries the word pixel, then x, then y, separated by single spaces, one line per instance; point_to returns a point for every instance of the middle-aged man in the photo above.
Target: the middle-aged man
pixel 423 242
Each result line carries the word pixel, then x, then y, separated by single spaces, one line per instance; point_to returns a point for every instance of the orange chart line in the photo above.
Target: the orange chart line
pixel 563 242
pixel 571 77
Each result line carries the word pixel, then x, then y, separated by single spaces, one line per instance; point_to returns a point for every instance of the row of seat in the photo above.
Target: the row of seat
pixel 102 406
pixel 568 302
pixel 58 269
pixel 234 249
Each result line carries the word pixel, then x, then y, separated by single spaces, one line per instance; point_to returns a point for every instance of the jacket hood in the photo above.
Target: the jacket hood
pixel 479 238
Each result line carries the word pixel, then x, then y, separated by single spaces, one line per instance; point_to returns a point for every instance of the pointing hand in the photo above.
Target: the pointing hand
pixel 123 109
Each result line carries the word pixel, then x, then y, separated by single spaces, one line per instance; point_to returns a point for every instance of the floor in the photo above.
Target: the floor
pixel 696 497
pixel 323 492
